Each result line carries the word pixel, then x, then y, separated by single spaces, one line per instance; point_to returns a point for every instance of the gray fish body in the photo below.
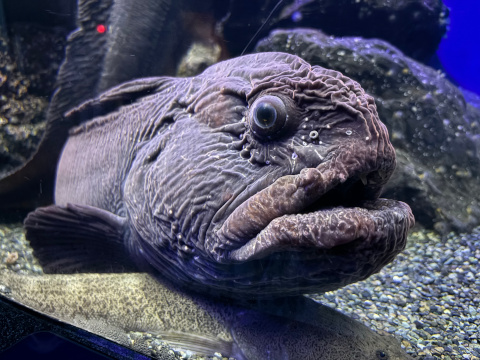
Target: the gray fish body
pixel 259 177
pixel 310 331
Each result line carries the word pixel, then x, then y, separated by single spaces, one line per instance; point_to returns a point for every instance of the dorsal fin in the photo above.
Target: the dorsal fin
pixel 124 94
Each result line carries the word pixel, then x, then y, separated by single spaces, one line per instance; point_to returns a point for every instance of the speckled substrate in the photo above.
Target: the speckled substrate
pixel 15 251
pixel 428 298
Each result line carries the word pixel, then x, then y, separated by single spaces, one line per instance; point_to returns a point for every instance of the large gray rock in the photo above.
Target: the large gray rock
pixel 435 131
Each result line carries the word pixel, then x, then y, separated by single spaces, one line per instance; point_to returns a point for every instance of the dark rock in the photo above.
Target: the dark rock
pixel 27 78
pixel 38 52
pixel 414 26
pixel 21 114
pixel 435 131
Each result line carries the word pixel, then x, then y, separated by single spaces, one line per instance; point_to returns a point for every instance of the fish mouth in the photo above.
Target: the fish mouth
pixel 317 209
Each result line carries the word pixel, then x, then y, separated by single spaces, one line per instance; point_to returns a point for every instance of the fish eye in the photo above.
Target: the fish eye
pixel 265 115
pixel 268 115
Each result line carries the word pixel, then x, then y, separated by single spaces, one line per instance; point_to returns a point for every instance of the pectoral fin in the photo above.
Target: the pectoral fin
pixel 78 238
pixel 198 344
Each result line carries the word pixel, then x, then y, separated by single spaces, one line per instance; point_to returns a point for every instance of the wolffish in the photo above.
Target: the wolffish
pixel 290 328
pixel 259 177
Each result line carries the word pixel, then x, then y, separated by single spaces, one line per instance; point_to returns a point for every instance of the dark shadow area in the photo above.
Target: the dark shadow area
pixel 48 346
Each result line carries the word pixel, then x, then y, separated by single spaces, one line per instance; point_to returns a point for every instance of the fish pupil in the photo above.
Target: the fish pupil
pixel 265 116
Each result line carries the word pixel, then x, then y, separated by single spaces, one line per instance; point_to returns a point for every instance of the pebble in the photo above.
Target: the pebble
pixel 15 252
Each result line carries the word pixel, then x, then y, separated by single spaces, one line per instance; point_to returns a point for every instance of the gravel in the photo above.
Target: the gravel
pixel 428 298
pixel 15 252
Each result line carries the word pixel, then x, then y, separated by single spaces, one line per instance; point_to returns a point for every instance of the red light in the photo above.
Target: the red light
pixel 101 28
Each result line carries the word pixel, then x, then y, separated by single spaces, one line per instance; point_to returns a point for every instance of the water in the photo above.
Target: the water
pixel 205 155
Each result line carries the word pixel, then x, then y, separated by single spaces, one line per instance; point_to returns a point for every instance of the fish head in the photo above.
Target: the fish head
pixel 265 181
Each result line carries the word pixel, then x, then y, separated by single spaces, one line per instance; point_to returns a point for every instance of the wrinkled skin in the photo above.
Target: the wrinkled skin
pixel 209 197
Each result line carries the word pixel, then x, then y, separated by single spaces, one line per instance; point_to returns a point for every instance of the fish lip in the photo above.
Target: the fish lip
pixel 247 234
pixel 365 225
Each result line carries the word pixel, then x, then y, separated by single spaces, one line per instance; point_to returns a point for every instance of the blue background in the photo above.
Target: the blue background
pixel 459 51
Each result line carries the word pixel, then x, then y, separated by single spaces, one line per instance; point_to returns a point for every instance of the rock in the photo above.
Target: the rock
pixel 198 57
pixel 435 131
pixel 27 78
pixel 21 114
pixel 38 52
pixel 414 26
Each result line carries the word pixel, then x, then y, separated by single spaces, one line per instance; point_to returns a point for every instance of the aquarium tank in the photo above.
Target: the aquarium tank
pixel 240 180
